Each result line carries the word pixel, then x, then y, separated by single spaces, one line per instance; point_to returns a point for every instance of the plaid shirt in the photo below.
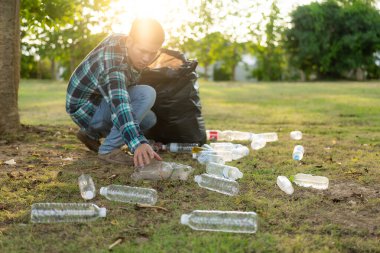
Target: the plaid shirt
pixel 106 73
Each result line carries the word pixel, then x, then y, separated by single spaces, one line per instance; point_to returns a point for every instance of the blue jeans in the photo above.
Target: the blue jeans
pixel 142 99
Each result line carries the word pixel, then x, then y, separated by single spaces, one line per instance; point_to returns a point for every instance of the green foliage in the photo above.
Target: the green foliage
pixel 334 37
pixel 59 31
pixel 269 53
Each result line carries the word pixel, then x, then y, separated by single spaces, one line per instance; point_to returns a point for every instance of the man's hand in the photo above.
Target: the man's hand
pixel 143 154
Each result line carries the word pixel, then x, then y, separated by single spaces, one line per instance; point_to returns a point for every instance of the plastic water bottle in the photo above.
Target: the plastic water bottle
pixel 228 135
pixel 258 142
pixel 269 137
pixel 86 186
pixel 240 152
pixel 218 184
pixel 204 158
pixel 237 150
pixel 298 152
pixel 158 170
pixel 225 171
pixel 296 135
pixel 65 212
pixel 123 193
pixel 307 180
pixel 285 185
pixel 179 147
pixel 223 221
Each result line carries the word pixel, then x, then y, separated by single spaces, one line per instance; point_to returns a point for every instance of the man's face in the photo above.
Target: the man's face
pixel 142 53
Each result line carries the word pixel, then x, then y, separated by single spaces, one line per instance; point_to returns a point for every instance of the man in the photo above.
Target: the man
pixel 104 99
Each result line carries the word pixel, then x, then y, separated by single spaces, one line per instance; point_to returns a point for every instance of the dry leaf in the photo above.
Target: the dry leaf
pixel 10 162
pixel 154 207
pixel 67 159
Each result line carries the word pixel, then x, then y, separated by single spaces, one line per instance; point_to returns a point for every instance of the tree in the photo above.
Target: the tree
pixel 9 65
pixel 334 37
pixel 269 52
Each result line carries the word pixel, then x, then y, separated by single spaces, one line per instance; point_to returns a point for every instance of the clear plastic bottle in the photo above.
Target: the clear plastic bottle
pixel 86 186
pixel 218 184
pixel 228 135
pixel 159 170
pixel 225 171
pixel 269 137
pixel 129 194
pixel 298 152
pixel 223 221
pixel 65 212
pixel 204 158
pixel 258 142
pixel 307 180
pixel 224 146
pixel 179 147
pixel 296 135
pixel 285 185
pixel 240 152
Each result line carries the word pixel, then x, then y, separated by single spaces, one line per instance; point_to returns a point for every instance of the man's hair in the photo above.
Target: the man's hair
pixel 147 28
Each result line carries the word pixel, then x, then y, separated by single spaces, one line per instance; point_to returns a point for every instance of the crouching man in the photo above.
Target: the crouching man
pixel 105 100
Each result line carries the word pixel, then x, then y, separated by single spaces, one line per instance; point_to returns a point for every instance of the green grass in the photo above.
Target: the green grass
pixel 341 126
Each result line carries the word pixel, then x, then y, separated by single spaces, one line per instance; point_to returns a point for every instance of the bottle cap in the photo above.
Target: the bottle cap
pixel 185 219
pixel 88 195
pixel 103 191
pixel 198 178
pixel 102 212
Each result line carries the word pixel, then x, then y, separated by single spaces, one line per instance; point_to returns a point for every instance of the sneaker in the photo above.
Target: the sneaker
pixel 117 156
pixel 90 143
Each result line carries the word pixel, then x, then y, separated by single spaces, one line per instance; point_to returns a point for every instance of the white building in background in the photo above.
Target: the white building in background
pixel 243 70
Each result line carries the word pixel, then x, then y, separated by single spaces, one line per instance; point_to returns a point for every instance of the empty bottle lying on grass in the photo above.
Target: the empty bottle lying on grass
pixel 208 157
pixel 222 170
pixel 228 135
pixel 298 152
pixel 128 194
pixel 217 184
pixel 179 147
pixel 296 135
pixel 65 212
pixel 285 185
pixel 222 221
pixel 86 187
pixel 158 170
pixel 258 142
pixel 307 180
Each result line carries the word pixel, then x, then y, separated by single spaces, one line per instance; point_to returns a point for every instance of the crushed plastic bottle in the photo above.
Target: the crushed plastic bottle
pixel 296 135
pixel 258 142
pixel 179 147
pixel 159 170
pixel 285 185
pixel 218 184
pixel 298 152
pixel 225 171
pixel 269 137
pixel 204 158
pixel 238 151
pixel 123 193
pixel 228 135
pixel 223 221
pixel 65 212
pixel 86 187
pixel 307 180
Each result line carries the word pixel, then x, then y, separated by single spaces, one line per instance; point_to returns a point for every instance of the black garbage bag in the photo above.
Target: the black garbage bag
pixel 177 107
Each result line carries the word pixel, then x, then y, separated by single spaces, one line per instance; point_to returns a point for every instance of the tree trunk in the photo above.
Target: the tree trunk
pixel 9 65
pixel 52 69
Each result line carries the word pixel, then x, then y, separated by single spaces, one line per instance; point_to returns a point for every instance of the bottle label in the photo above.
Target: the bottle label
pixel 213 135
